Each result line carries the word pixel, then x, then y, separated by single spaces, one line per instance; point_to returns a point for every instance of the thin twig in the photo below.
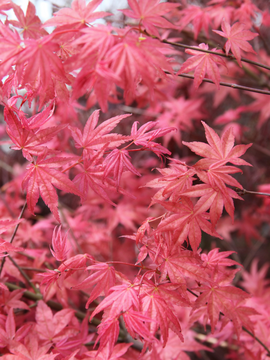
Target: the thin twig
pixel 229 56
pixel 23 273
pixel 244 192
pixel 233 86
pixel 13 235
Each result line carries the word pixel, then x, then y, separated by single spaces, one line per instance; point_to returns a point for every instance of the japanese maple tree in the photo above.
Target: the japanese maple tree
pixel 134 198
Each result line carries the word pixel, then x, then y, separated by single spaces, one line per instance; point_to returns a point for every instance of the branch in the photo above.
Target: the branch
pixel 24 275
pixel 13 235
pixel 230 56
pixel 234 86
pixel 244 192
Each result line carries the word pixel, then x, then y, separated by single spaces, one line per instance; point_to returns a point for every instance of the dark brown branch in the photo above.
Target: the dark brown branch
pixel 234 86
pixel 244 192
pixel 229 56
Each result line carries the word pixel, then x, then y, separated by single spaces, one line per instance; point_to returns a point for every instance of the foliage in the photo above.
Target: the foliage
pixel 115 239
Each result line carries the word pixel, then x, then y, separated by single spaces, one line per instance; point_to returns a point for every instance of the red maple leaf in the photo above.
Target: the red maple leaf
pixel 121 298
pixel 203 63
pixel 38 63
pixel 28 136
pixel 186 220
pixel 219 296
pixel 150 14
pixel 29 23
pixel 215 198
pixel 79 14
pixel 40 178
pixel 60 246
pixel 118 161
pixel 161 311
pixel 237 39
pixel 95 137
pixel 220 150
pixel 145 137
pixel 53 327
pixel 10 334
pixel 102 277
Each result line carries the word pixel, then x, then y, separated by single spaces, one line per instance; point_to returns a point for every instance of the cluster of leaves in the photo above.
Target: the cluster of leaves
pixel 103 258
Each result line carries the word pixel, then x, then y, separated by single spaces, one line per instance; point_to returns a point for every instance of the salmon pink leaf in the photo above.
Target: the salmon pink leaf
pixel 101 281
pixel 60 247
pixel 150 14
pixel 203 63
pixel 94 137
pixel 40 178
pixel 29 23
pixel 237 39
pixel 79 14
pixel 220 150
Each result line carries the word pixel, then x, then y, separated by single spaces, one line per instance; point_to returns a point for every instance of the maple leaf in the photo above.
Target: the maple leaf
pixel 220 150
pixel 122 298
pixel 102 277
pixel 179 114
pixel 92 176
pixel 135 324
pixel 108 332
pixel 216 197
pixel 10 334
pixel 180 264
pixel 30 23
pixel 40 178
pixel 240 318
pixel 79 14
pixel 30 350
pixel 10 299
pixel 177 350
pixel 5 5
pixel 126 57
pixel 60 247
pixel 219 297
pixel 150 14
pixel 161 311
pixel 52 328
pixel 203 63
pixel 176 179
pixel 186 220
pixel 5 247
pixel 38 64
pixel 214 258
pixel 261 104
pixel 199 17
pixel 237 39
pixel 6 224
pixel 144 136
pixel 95 137
pixel 26 133
pixel 117 161
pixel 10 47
